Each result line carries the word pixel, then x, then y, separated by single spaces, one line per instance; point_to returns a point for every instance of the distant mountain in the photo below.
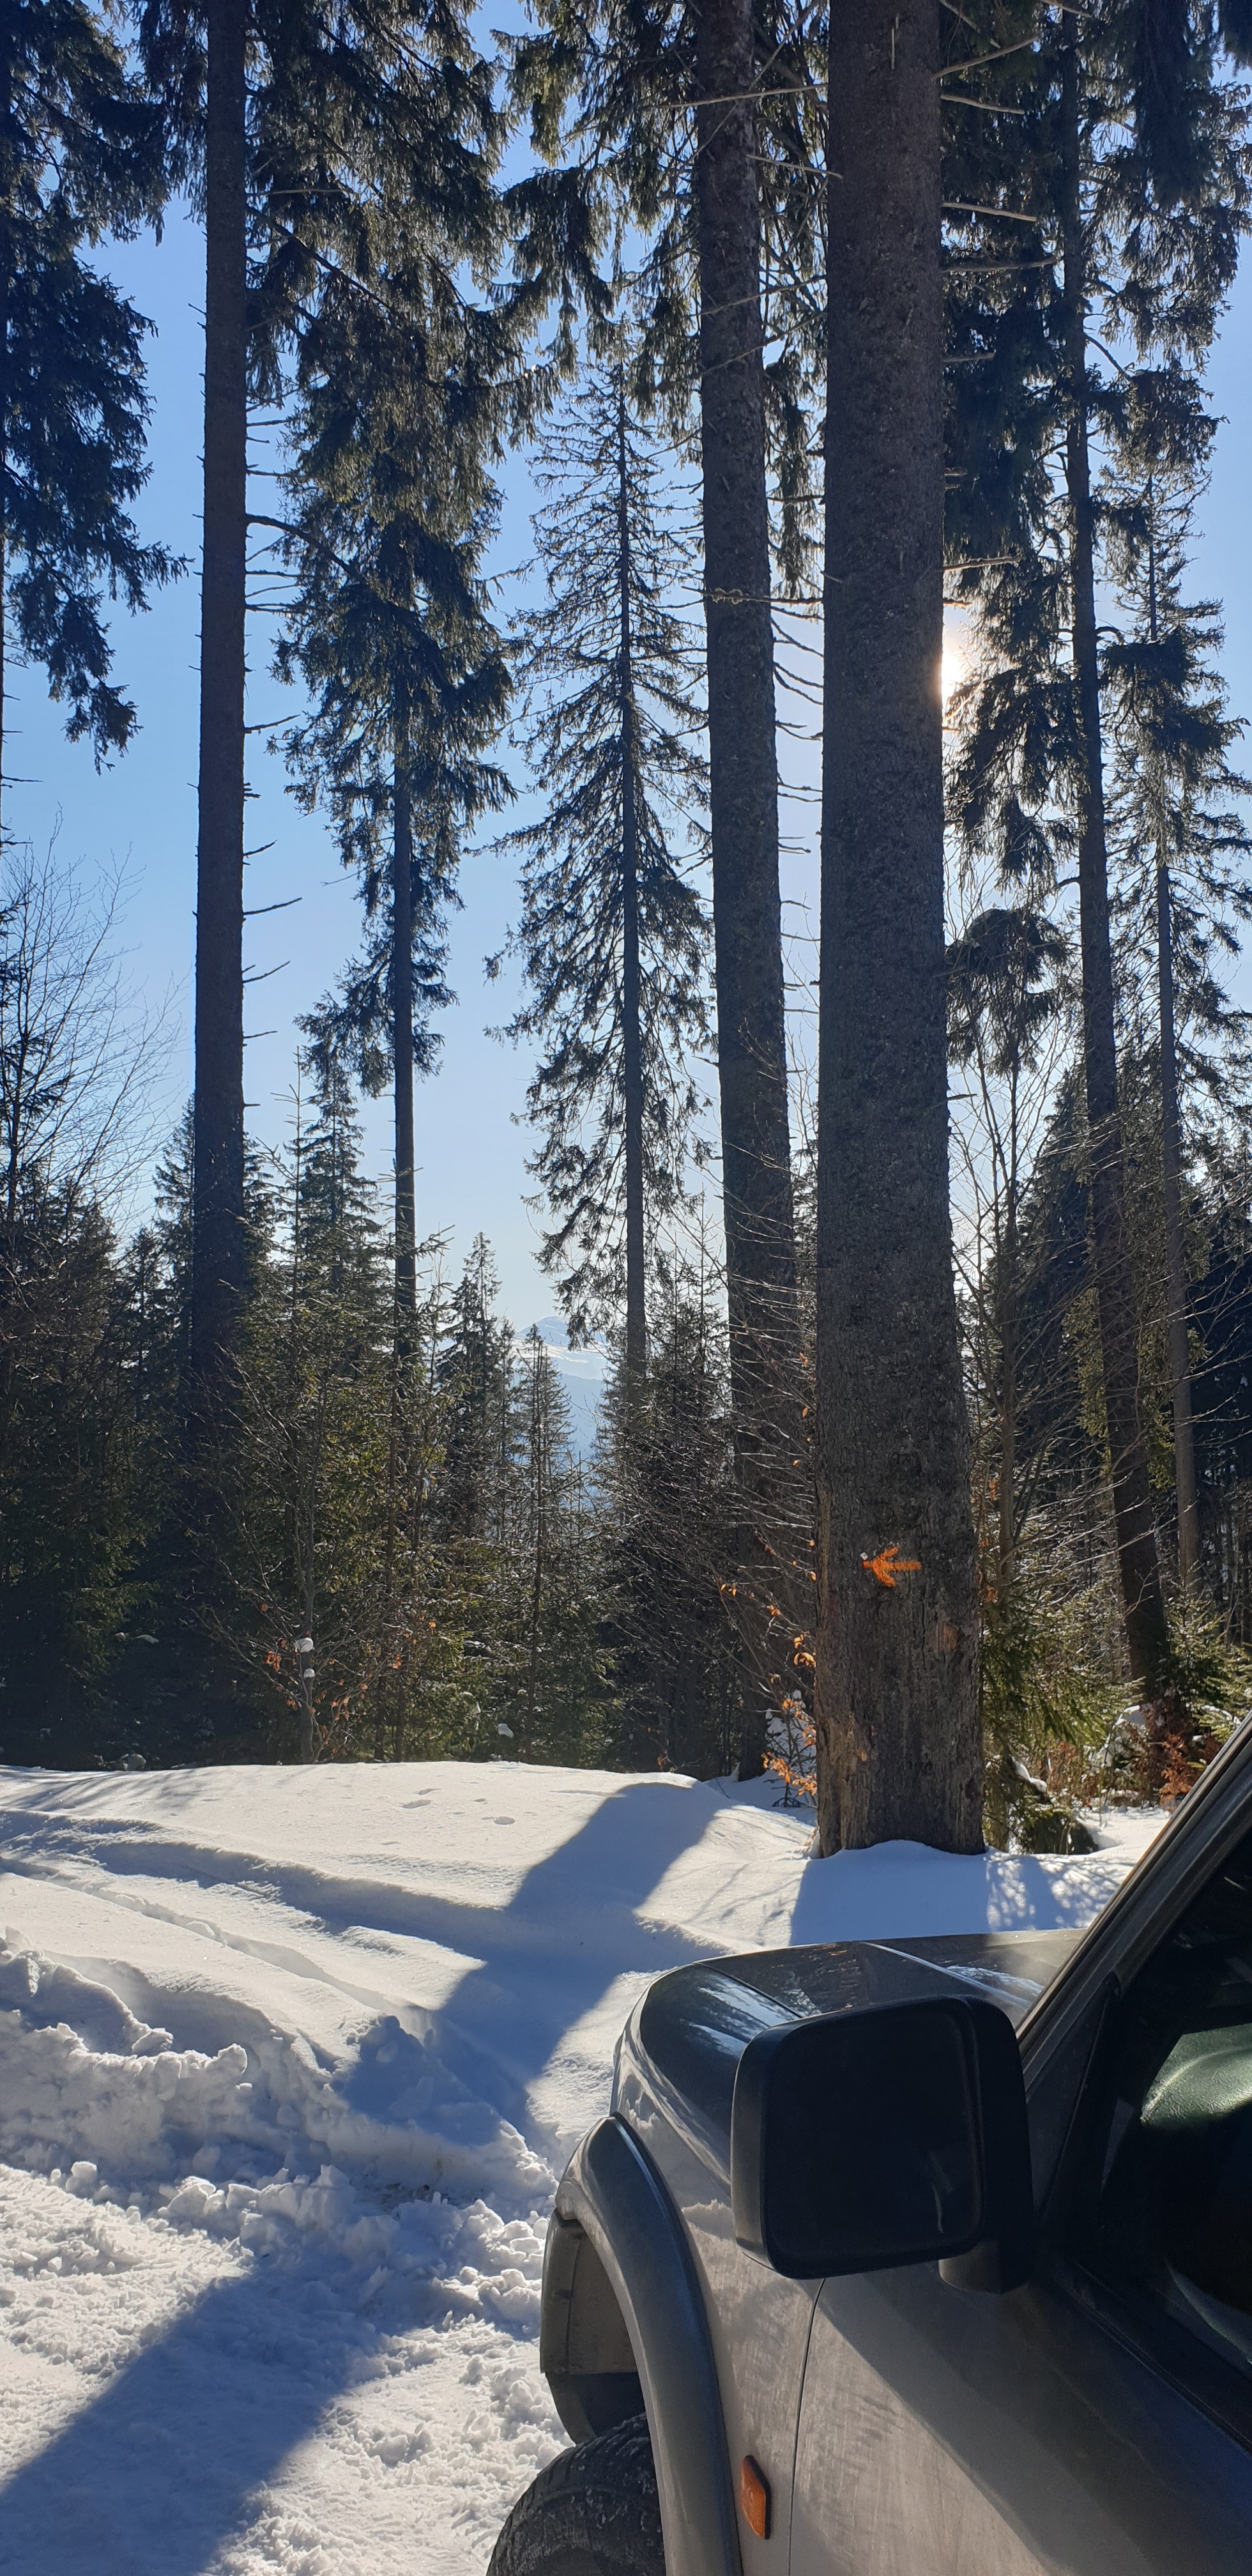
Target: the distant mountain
pixel 592 1361
pixel 583 1374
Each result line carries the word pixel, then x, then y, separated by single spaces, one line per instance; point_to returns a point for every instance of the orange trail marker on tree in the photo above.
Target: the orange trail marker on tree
pixel 888 1563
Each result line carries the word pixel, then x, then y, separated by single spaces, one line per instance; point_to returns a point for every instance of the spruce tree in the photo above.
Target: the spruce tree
pixel 79 157
pixel 743 758
pixel 613 935
pixel 73 1499
pixel 1005 997
pixel 897 1712
pixel 538 1668
pixel 1182 848
pixel 1145 1613
pixel 664 116
pixel 390 507
pixel 474 1374
pixel 667 1490
pixel 313 1425
pixel 294 129
pixel 1105 216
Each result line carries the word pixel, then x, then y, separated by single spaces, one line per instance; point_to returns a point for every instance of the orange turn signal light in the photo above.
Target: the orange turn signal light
pixel 754 2499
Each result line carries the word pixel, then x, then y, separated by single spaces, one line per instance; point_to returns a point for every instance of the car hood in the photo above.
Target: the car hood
pixel 687 2036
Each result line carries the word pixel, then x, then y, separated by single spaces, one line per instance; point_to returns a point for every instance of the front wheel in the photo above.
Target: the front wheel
pixel 594 2512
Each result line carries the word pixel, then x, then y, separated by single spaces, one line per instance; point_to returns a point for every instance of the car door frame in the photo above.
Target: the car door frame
pixel 1070 2033
pixel 1060 2034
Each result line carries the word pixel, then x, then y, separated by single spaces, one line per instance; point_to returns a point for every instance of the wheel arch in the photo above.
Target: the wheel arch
pixel 623 2325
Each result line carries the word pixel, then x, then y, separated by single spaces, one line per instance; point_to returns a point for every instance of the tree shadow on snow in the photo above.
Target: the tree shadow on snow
pixel 166 2464
pixel 543 1960
pixel 572 1927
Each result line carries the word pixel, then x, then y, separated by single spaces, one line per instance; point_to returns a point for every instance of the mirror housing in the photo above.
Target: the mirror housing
pixel 865 2140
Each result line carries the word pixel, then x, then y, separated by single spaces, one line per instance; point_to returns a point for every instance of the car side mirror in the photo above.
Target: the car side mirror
pixel 897 2135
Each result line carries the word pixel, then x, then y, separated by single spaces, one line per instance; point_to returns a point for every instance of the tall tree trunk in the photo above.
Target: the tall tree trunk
pixel 7 178
pixel 632 1030
pixel 1186 1498
pixel 1139 1565
pixel 217 1266
pixel 898 1745
pixel 306 1453
pixel 402 1050
pixel 387 1609
pixel 1008 1319
pixel 1008 1406
pixel 3 579
pixel 538 1471
pixel 743 775
pixel 1175 1252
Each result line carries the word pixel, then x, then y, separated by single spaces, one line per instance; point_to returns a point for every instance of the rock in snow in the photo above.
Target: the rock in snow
pixel 289 2065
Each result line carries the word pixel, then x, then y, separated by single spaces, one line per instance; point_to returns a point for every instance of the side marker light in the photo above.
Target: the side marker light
pixel 754 2499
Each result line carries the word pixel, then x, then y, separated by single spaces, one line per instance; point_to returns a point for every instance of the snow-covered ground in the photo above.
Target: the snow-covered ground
pixel 289 2064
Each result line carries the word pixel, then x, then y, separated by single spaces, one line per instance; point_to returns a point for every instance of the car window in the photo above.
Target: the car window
pixel 1165 2209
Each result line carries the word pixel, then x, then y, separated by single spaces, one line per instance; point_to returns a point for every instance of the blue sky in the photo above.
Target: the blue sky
pixel 141 813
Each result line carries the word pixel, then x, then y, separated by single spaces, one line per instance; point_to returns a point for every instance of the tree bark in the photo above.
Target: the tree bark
pixel 7 176
pixel 538 1476
pixel 3 578
pixel 1175 1252
pixel 1008 1400
pixel 402 1051
pixel 1139 1565
pixel 898 1743
pixel 632 1030
pixel 743 776
pixel 1185 1495
pixel 389 1567
pixel 218 1252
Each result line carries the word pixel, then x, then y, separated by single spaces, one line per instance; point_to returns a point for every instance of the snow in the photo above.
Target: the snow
pixel 290 2062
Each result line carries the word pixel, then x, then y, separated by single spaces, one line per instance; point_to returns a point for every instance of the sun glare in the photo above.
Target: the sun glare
pixel 955 665
pixel 953 668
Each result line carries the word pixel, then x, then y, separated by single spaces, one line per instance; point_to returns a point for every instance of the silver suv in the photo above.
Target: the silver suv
pixel 923 2257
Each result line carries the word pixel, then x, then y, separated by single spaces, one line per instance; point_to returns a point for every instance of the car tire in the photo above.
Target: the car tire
pixel 594 2512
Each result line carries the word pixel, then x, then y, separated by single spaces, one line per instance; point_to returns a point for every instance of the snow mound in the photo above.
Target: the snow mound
pixel 146 2110
pixel 289 2064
